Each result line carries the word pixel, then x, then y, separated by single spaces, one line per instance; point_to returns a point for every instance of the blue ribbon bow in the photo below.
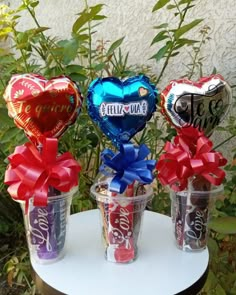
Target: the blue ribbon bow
pixel 128 165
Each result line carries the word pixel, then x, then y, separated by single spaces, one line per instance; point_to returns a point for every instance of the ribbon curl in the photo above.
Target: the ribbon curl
pixel 191 154
pixel 127 165
pixel 31 173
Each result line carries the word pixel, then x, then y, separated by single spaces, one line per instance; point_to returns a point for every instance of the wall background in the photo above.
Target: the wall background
pixel 135 20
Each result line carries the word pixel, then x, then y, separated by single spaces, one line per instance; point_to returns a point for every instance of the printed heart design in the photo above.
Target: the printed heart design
pixel 126 109
pixel 203 104
pixel 121 232
pixel 43 108
pixel 121 108
pixel 143 91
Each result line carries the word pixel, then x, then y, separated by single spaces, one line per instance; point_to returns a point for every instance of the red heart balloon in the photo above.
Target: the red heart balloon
pixel 202 104
pixel 43 108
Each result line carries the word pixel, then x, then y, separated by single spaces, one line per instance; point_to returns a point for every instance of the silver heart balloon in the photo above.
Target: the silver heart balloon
pixel 202 104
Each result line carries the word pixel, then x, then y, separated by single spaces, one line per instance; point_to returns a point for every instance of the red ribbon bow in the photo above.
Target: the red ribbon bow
pixel 191 154
pixel 30 172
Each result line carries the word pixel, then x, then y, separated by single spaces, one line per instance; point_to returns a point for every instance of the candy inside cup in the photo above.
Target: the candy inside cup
pixel 121 218
pixel 46 227
pixel 191 212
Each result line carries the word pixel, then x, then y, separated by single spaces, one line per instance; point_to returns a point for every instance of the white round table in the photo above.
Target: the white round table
pixel 160 268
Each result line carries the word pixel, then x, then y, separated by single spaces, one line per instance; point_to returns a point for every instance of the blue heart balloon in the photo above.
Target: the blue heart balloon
pixel 121 108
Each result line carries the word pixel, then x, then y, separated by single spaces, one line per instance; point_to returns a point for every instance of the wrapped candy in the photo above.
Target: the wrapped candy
pixel 121 216
pixel 48 228
pixel 126 171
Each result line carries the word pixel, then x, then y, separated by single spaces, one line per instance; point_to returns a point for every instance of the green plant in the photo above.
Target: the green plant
pixel 174 38
pixel 17 271
pixel 196 65
pixel 221 279
pixel 222 241
pixel 84 60
pixel 49 56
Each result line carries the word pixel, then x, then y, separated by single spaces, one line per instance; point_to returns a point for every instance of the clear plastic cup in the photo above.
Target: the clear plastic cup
pixel 46 227
pixel 190 212
pixel 121 219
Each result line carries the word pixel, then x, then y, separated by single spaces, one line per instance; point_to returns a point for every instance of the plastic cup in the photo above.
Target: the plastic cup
pixel 46 228
pixel 121 219
pixel 190 212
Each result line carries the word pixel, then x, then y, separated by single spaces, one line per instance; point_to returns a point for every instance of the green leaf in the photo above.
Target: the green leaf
pixel 81 21
pixel 175 53
pixel 5 32
pixel 81 37
pixel 22 37
pixel 5 120
pixel 159 37
pixel 78 77
pixel 219 290
pixel 233 290
pixel 99 17
pixel 6 59
pixel 99 67
pixel 40 30
pixel 86 17
pixel 162 26
pixel 10 134
pixel 34 4
pixel 4 227
pixel 96 9
pixel 213 246
pixel 170 6
pixel 159 55
pixel 184 41
pixel 160 4
pixel 187 28
pixel 211 282
pixel 184 2
pixel 223 225
pixel 114 46
pixel 74 69
pixel 69 49
pixel 220 128
pixel 21 7
pixel 187 8
pixel 214 71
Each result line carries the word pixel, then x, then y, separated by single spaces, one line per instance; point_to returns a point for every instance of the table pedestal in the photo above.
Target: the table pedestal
pixel 160 268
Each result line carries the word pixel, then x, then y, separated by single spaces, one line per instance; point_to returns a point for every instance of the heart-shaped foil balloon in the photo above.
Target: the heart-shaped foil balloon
pixel 121 108
pixel 43 108
pixel 202 104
